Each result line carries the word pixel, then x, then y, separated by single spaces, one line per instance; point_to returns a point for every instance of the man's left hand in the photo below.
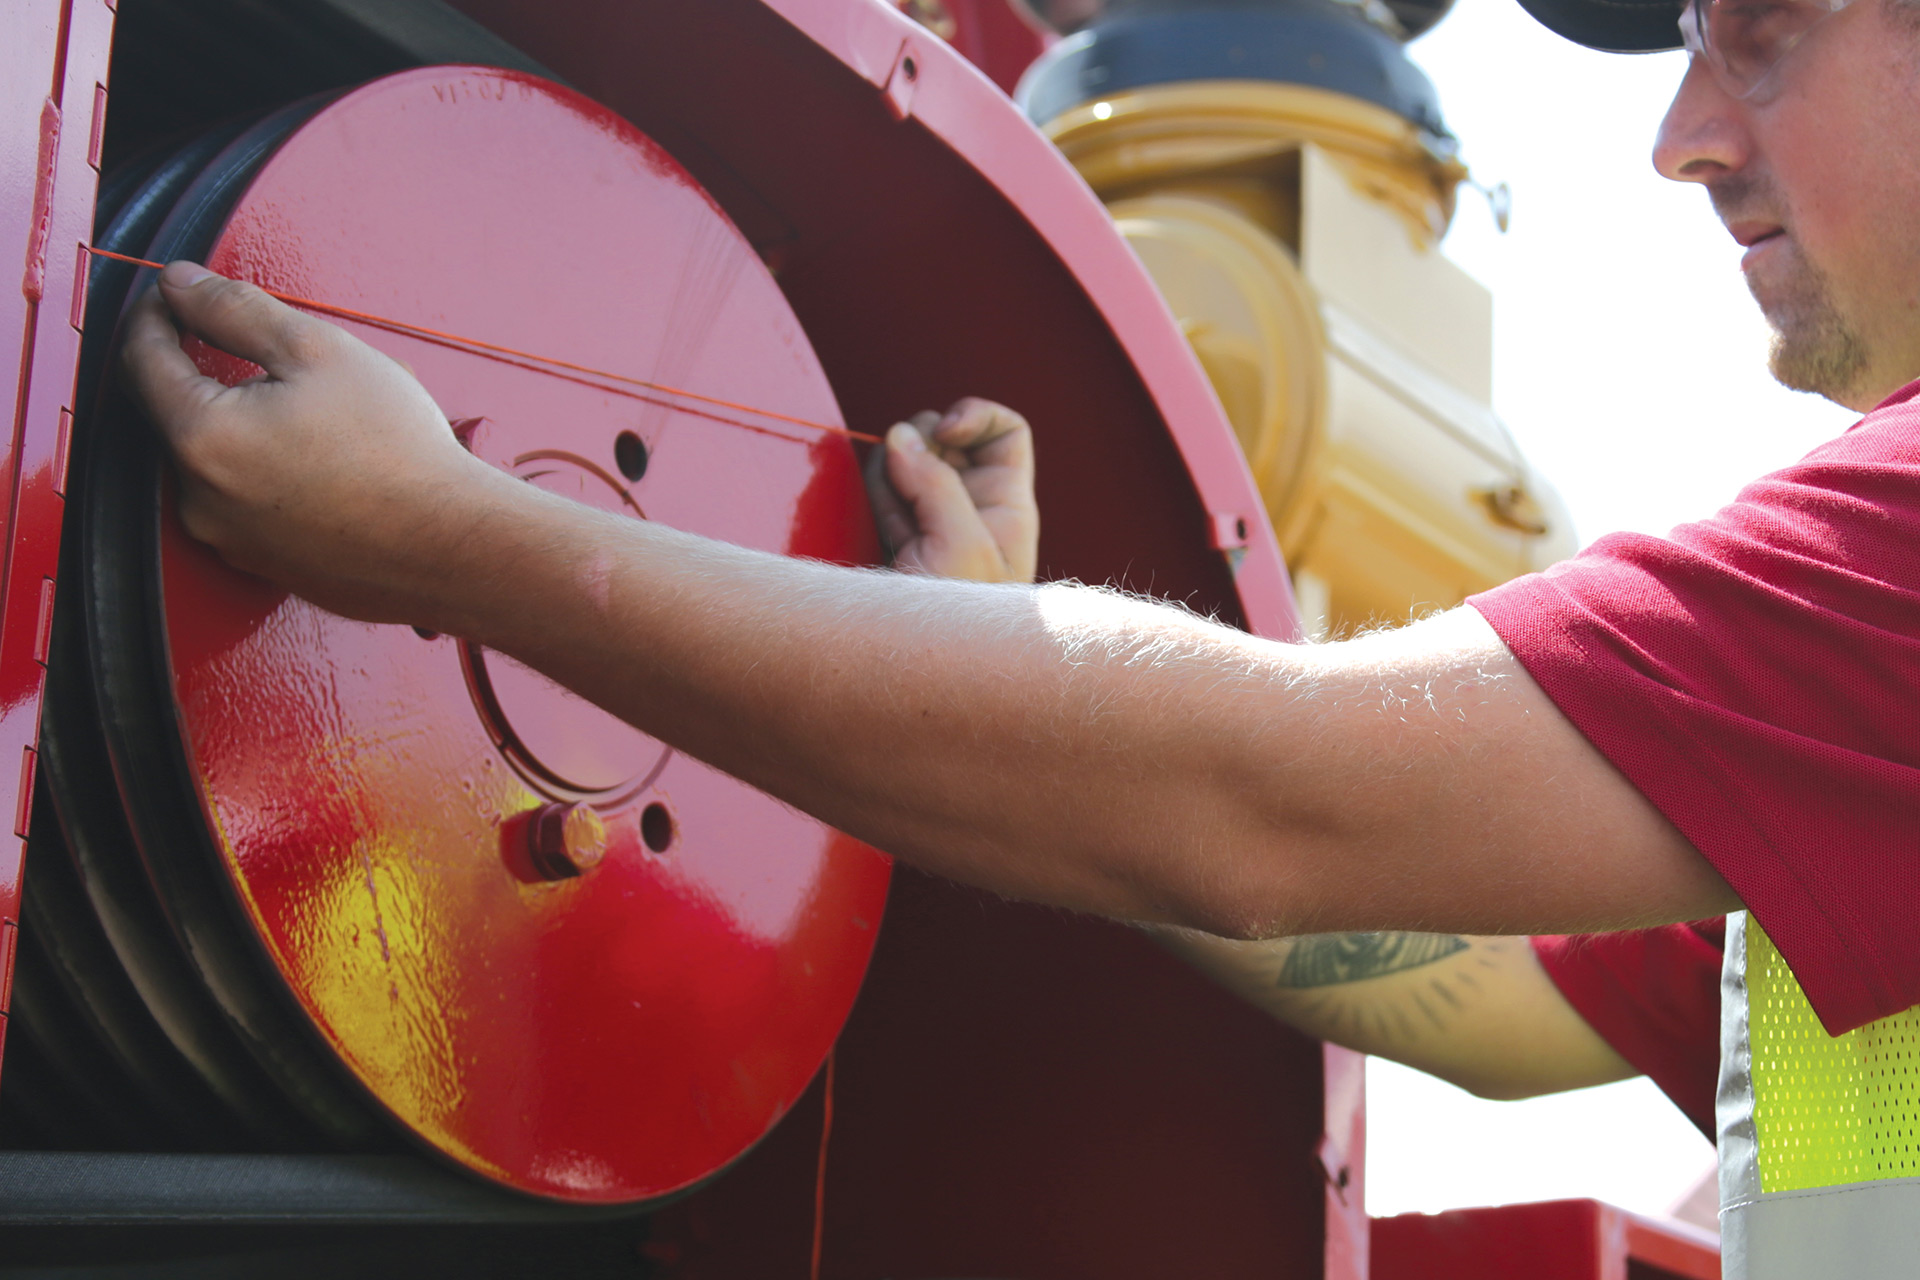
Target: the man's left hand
pixel 953 494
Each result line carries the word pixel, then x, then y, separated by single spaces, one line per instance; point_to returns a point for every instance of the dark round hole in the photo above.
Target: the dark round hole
pixel 910 69
pixel 656 827
pixel 1240 529
pixel 425 634
pixel 630 455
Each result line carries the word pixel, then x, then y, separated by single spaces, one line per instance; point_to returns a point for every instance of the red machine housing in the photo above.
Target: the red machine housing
pixel 1020 1093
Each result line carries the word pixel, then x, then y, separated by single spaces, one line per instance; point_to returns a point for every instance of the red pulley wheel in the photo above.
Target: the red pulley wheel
pixel 563 955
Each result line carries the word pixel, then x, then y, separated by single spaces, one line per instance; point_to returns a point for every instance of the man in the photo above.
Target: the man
pixel 1660 730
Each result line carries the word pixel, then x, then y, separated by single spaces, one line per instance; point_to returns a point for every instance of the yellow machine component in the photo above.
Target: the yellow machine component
pixel 1294 232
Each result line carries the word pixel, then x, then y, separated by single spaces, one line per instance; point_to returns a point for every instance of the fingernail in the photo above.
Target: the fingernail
pixel 905 436
pixel 184 274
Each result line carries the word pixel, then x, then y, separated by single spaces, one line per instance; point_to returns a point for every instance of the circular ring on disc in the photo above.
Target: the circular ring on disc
pixel 623 1028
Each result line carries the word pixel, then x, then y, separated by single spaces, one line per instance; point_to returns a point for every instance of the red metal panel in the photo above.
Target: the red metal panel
pixel 53 64
pixel 1343 1162
pixel 1552 1240
pixel 992 35
pixel 1022 1094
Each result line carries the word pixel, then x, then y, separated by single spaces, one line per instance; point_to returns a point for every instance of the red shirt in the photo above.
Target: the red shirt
pixel 1757 676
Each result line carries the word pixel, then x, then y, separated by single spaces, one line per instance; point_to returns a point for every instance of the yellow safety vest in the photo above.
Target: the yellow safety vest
pixel 1819 1135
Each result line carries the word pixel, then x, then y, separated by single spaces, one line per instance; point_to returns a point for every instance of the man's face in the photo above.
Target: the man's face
pixel 1820 179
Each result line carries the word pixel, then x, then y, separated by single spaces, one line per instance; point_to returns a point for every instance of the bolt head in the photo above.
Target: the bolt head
pixel 566 840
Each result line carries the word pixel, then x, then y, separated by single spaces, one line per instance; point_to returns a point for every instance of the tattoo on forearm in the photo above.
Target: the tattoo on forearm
pixel 1328 959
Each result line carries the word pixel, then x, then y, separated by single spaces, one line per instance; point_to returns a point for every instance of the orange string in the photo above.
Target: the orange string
pixel 820 1175
pixel 549 365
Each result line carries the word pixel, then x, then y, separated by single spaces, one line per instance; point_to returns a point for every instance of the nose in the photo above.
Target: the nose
pixel 1704 136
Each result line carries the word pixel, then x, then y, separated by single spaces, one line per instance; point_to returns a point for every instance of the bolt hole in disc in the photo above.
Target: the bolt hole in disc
pixel 656 827
pixel 630 455
pixel 624 1025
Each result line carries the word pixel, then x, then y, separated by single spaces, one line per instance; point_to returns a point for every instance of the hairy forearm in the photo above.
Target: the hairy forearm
pixel 965 727
pixel 1077 747
pixel 1479 1012
pixel 1061 744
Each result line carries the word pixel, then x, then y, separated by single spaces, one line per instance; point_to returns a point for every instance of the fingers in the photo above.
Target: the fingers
pixel 991 434
pixel 241 319
pixel 934 490
pixel 953 493
pixel 891 516
pixel 946 535
pixel 160 374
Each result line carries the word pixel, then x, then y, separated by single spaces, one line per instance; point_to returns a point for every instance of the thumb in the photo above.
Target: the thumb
pixel 942 507
pixel 241 319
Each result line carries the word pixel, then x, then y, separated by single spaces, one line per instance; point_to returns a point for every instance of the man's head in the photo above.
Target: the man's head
pixel 1814 166
pixel 1818 174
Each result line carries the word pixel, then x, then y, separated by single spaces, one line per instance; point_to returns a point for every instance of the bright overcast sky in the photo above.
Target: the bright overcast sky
pixel 1629 362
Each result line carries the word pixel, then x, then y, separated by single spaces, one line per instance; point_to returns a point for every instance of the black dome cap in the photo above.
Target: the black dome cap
pixel 1612 26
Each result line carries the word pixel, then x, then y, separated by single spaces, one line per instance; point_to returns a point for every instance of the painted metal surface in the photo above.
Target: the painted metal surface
pixel 1020 1093
pixel 53 66
pixel 1551 1240
pixel 613 1035
pixel 1090 1111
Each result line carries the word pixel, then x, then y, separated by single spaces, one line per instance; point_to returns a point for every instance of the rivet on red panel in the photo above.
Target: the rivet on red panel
pixel 1231 530
pixel 902 81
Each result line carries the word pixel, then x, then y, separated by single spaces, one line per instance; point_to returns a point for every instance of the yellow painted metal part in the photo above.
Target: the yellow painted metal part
pixel 1827 1111
pixel 1204 132
pixel 1293 232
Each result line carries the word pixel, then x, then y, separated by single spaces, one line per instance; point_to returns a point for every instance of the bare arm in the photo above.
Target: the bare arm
pixel 1056 743
pixel 1478 1012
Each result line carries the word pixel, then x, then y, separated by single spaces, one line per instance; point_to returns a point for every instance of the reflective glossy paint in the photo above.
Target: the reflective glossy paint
pixel 53 64
pixel 1020 1093
pixel 620 1034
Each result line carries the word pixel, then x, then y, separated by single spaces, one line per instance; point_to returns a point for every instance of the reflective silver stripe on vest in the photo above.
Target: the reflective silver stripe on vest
pixel 1859 1230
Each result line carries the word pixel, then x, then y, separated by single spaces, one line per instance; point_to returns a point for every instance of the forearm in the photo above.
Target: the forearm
pixel 1061 744
pixel 961 726
pixel 1068 745
pixel 1479 1012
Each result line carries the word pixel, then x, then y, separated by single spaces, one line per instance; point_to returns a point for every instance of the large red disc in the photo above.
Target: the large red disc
pixel 621 1033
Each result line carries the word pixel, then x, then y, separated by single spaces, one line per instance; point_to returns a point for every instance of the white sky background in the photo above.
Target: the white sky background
pixel 1629 363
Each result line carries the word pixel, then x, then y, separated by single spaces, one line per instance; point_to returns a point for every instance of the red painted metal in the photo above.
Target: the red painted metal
pixel 991 34
pixel 53 64
pixel 1343 1162
pixel 611 1036
pixel 1552 1240
pixel 1020 1093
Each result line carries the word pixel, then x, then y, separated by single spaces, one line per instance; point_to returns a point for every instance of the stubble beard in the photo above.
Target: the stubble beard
pixel 1815 348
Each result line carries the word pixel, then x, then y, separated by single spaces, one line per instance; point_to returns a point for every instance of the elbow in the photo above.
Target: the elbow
pixel 1231 917
pixel 1497 1089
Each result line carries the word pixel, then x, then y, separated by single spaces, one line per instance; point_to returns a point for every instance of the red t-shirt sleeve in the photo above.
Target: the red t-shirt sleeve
pixel 1654 995
pixel 1757 677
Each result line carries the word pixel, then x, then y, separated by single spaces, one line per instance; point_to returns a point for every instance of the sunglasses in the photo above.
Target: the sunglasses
pixel 1744 41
